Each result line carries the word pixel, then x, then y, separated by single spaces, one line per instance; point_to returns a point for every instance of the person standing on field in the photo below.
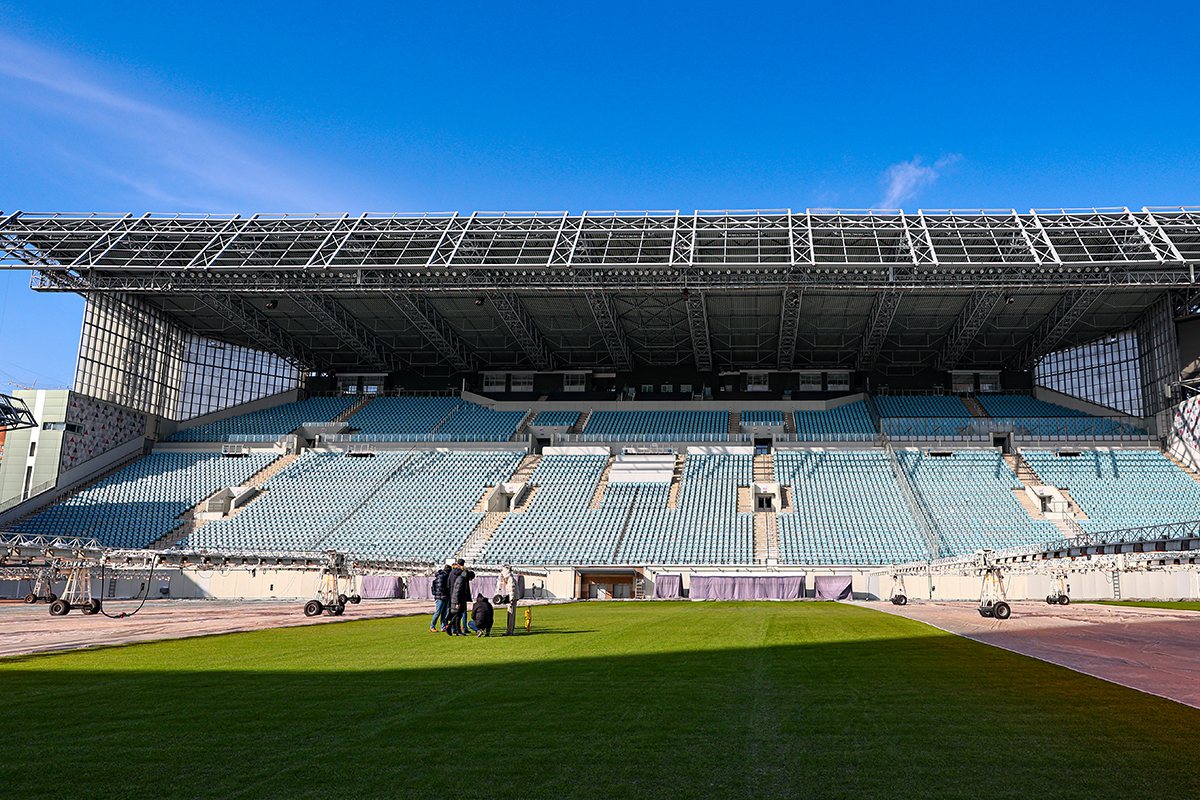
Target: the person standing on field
pixel 508 588
pixel 441 599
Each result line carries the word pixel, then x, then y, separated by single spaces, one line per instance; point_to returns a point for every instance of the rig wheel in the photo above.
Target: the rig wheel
pixel 1063 600
pixel 30 599
pixel 338 610
pixel 356 599
pixel 312 608
pixel 96 605
pixel 985 611
pixel 1050 600
pixel 900 600
pixel 1001 610
pixel 59 608
pixel 342 599
pixel 50 598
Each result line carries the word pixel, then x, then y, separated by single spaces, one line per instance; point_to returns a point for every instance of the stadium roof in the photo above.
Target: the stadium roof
pixel 717 290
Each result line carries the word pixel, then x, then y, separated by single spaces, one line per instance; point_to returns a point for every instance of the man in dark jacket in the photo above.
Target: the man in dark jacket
pixel 460 598
pixel 482 615
pixel 441 599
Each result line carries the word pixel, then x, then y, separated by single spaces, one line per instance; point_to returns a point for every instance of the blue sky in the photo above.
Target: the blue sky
pixel 307 107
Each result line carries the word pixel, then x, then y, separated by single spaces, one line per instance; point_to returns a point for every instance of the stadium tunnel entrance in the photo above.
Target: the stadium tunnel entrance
pixel 609 583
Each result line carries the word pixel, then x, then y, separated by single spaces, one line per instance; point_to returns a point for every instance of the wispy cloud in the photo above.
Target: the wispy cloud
pixel 76 118
pixel 905 179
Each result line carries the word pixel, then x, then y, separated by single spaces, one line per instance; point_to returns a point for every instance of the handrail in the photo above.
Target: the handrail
pixel 926 524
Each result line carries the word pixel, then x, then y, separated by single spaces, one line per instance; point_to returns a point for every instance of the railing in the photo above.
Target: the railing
pixel 256 437
pixel 826 437
pixel 653 437
pixel 1025 429
pixel 34 491
pixel 345 438
pixel 924 522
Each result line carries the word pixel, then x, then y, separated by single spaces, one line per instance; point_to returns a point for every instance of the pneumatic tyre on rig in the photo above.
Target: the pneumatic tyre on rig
pixel 985 611
pixel 342 599
pixel 356 599
pixel 96 606
pixel 30 599
pixel 59 608
pixel 1063 600
pixel 338 610
pixel 1001 610
pixel 51 597
pixel 312 608
pixel 900 600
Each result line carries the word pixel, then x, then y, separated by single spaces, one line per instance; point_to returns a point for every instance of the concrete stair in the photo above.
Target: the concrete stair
pixel 1024 472
pixel 358 406
pixel 525 469
pixel 598 495
pixel 735 422
pixel 1030 507
pixel 789 422
pixel 1182 466
pixel 764 468
pixel 191 524
pixel 766 538
pixel 975 408
pixel 580 423
pixel 525 500
pixel 745 500
pixel 676 481
pixel 479 537
pixel 523 428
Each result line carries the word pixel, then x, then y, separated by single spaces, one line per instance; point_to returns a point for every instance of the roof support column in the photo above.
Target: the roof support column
pixel 883 311
pixel 520 324
pixel 609 322
pixel 966 327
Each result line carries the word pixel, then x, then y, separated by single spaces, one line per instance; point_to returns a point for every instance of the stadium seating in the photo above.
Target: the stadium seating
pixel 848 509
pixel 969 497
pixel 633 524
pixel 142 502
pixel 443 419
pixel 417 505
pixel 922 417
pixel 1120 489
pixel 268 422
pixel 404 415
pixel 548 418
pixel 706 528
pixel 761 417
pixel 846 423
pixel 668 425
pixel 1043 419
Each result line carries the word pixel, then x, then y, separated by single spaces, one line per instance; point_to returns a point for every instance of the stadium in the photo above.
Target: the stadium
pixel 865 406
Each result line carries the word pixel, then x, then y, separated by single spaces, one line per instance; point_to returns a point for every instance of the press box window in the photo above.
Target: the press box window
pixel 757 382
pixel 493 383
pixel 574 382
pixel 522 382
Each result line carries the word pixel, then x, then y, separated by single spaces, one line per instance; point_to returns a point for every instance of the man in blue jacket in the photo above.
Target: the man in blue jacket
pixel 441 599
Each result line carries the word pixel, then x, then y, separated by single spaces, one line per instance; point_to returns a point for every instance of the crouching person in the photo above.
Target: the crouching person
pixel 482 615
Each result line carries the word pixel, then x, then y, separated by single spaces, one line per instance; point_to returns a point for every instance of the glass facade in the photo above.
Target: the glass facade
pixel 133 355
pixel 1125 371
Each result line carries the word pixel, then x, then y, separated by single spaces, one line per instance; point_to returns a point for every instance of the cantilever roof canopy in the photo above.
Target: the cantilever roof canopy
pixel 718 290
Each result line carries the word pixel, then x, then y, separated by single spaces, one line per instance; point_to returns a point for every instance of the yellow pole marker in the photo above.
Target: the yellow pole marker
pixel 528 619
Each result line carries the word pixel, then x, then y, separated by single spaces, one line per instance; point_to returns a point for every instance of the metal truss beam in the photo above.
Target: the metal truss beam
pixel 370 350
pixel 789 324
pixel 435 329
pixel 609 322
pixel 520 324
pixel 263 331
pixel 697 313
pixel 883 311
pixel 1055 327
pixel 974 314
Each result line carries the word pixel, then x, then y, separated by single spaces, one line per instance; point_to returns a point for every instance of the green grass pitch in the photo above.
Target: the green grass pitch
pixel 603 700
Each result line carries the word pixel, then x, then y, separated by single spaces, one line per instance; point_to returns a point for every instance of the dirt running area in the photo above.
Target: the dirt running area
pixel 31 629
pixel 1153 650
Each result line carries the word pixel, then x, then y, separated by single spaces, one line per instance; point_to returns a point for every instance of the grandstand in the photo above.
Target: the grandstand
pixel 617 395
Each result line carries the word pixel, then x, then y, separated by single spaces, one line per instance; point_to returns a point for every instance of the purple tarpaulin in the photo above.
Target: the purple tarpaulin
pixel 380 586
pixel 747 587
pixel 832 587
pixel 420 587
pixel 668 586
